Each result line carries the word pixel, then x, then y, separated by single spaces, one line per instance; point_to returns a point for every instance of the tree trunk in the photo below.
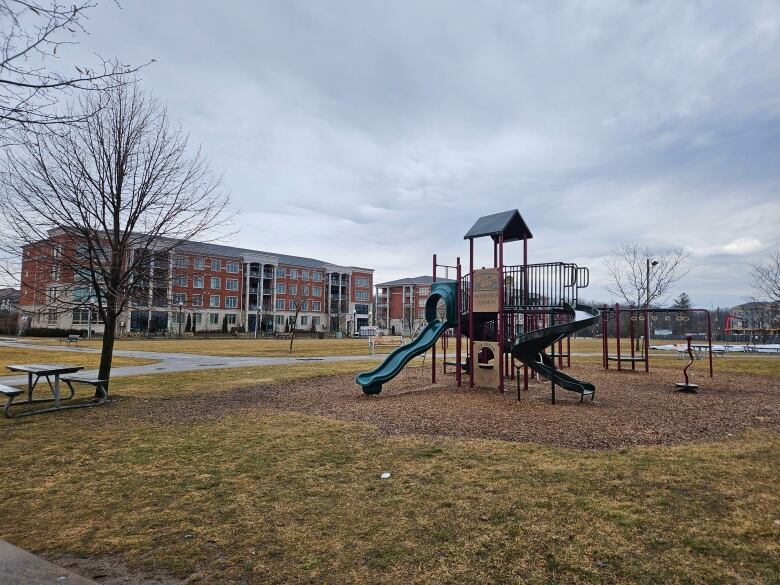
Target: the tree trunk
pixel 107 351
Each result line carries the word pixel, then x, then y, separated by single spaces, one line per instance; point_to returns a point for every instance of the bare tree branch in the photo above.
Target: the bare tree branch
pixel 32 33
pixel 627 269
pixel 765 277
pixel 95 211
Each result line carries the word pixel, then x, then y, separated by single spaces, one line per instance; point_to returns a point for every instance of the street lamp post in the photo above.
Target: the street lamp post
pixel 181 306
pixel 650 264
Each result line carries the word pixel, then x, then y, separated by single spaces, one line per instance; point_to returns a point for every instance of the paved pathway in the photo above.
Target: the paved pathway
pixel 170 362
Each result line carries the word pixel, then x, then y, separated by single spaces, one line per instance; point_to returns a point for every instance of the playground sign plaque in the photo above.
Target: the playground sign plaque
pixel 486 290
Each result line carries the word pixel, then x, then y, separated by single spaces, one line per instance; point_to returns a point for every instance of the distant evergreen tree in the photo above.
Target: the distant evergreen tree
pixel 188 325
pixel 682 302
pixel 224 324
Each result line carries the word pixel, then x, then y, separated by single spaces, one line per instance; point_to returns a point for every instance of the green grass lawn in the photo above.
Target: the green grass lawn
pixel 265 496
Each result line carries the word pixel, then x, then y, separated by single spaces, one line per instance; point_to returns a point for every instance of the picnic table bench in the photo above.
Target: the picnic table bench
pixel 60 373
pixel 70 339
pixel 383 341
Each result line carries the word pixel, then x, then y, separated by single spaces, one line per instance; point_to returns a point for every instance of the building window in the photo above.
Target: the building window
pixel 292 305
pixel 199 263
pixel 420 302
pixel 317 276
pixel 232 267
pixel 280 287
pixel 180 281
pixel 231 318
pixel 280 319
pixel 316 291
pixel 52 317
pixel 424 290
pixel 179 298
pixel 231 284
pixel 214 301
pixel 231 302
pixel 216 264
pixel 213 318
pixel 361 295
pixel 315 321
pixel 305 274
pixel 293 289
pixel 197 282
pixel 280 304
pixel 181 261
pixel 361 281
pixel 361 309
pixel 305 290
pixel 178 318
pixel 304 306
pixel 316 306
pixel 304 320
pixel 197 300
pixel 54 294
pixel 216 281
pixel 82 317
pixel 293 273
pixel 280 272
pixel 197 318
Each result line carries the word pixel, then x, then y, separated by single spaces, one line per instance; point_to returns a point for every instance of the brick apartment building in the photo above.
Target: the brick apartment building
pixel 211 284
pixel 400 304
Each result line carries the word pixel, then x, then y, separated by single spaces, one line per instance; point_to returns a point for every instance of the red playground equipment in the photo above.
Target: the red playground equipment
pixel 687 386
pixel 642 316
pixel 509 313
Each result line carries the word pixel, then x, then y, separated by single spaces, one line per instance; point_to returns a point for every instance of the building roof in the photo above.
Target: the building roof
pixel 510 224
pixel 412 280
pixel 230 251
pixel 10 294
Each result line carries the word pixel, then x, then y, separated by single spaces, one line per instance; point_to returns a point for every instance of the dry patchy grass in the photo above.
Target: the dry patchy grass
pixel 20 355
pixel 272 497
pixel 222 380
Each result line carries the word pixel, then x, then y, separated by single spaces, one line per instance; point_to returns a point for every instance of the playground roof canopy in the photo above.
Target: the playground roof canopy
pixel 510 224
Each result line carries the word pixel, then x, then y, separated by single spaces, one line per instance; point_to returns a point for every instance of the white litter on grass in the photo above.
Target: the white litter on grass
pixel 385 475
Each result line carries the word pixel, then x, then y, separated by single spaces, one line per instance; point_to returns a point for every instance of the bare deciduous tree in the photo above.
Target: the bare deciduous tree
pixel 765 277
pixel 32 32
pixel 298 298
pixel 627 269
pixel 101 205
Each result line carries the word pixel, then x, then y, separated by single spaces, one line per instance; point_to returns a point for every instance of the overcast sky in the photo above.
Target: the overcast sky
pixel 375 133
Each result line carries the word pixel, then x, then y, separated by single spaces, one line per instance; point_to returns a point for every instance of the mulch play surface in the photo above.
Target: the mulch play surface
pixel 629 408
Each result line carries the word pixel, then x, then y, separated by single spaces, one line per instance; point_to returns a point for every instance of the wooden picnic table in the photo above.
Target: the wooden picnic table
pixel 59 372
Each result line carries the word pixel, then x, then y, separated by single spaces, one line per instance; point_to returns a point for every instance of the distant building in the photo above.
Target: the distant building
pixel 211 284
pixel 754 318
pixel 9 299
pixel 400 304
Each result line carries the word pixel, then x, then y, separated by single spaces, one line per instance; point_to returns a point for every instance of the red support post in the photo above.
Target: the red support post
pixel 647 339
pixel 471 313
pixel 617 334
pixel 709 337
pixel 605 338
pixel 525 304
pixel 501 316
pixel 458 301
pixel 433 347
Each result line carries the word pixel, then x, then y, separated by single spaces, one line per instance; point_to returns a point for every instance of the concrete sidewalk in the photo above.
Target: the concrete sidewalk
pixel 169 362
pixel 20 567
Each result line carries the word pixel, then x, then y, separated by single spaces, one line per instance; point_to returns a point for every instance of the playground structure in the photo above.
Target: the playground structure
pixel 641 318
pixel 510 314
